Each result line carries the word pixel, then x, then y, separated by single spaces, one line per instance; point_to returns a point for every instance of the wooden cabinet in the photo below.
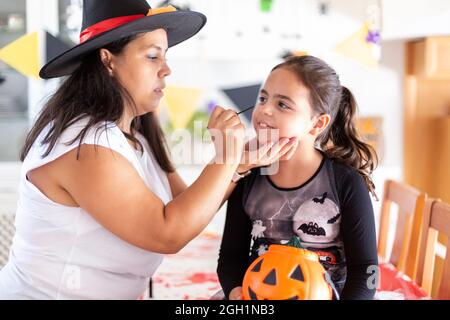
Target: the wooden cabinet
pixel 426 161
pixel 442 186
pixel 427 116
pixel 430 58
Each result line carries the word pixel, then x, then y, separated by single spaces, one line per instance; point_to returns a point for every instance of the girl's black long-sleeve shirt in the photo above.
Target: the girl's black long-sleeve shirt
pixel 331 214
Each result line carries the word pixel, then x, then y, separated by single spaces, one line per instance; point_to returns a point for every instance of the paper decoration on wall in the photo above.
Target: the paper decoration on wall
pixel 374 25
pixel 324 8
pixel 244 97
pixel 266 29
pixel 54 46
pixel 181 104
pixel 198 124
pixel 266 5
pixel 365 45
pixel 356 47
pixel 23 54
pixel 370 130
pixel 211 106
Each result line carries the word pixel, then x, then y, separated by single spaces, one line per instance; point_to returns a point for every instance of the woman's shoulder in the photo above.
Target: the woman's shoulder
pixel 83 130
pixel 87 130
pixel 75 138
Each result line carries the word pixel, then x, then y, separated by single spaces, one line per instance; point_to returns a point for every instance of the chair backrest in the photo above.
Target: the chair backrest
pixel 436 219
pixel 405 250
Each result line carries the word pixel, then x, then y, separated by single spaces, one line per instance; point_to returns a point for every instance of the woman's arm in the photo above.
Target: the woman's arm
pixel 107 186
pixel 235 246
pixel 265 155
pixel 177 185
pixel 359 237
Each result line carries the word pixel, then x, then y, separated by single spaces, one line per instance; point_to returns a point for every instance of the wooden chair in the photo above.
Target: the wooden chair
pixel 405 250
pixel 436 219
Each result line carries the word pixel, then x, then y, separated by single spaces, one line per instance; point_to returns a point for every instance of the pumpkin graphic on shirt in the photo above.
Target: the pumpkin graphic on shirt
pixel 317 220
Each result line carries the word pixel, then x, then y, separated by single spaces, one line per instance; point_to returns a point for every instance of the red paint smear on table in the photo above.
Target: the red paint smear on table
pixel 201 277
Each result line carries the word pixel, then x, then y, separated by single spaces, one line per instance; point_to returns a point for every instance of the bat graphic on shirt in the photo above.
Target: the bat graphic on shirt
pixel 320 199
pixel 312 229
pixel 334 219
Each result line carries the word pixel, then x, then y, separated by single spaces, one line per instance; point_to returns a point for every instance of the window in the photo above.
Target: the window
pixel 13 84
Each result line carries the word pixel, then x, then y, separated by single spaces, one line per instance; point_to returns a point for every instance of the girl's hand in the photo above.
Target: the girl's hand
pixel 227 133
pixel 236 294
pixel 256 155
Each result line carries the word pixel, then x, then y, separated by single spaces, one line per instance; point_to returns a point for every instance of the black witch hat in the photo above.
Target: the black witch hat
pixel 108 21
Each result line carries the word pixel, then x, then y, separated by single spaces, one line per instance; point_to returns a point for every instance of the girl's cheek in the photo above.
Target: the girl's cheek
pixel 255 116
pixel 254 127
pixel 293 129
pixel 267 135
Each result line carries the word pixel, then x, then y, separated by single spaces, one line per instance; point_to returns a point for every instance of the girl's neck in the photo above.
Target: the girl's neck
pixel 299 169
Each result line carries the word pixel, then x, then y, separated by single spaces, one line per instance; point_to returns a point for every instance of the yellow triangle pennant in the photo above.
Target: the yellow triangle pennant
pixel 181 104
pixel 23 55
pixel 357 48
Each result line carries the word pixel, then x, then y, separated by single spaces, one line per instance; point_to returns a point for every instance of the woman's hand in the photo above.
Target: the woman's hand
pixel 256 155
pixel 227 133
pixel 235 294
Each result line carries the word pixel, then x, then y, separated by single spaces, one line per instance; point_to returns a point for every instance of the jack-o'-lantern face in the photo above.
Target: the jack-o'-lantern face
pixel 286 273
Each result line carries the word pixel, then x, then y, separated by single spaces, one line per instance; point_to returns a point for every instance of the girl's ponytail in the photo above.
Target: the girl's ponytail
pixel 346 146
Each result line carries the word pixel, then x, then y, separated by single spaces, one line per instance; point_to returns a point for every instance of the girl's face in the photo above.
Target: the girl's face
pixel 142 68
pixel 283 105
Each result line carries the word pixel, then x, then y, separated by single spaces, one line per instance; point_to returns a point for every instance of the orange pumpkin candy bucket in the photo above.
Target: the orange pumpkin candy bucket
pixel 286 273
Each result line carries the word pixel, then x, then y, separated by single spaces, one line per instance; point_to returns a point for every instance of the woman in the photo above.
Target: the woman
pixel 100 201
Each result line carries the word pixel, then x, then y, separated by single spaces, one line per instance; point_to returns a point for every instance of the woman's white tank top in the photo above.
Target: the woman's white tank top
pixel 61 252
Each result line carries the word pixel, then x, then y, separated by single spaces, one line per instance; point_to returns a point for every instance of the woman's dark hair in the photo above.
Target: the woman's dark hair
pixel 340 140
pixel 90 92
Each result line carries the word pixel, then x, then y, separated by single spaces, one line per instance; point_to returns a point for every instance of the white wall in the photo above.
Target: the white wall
pixel 404 19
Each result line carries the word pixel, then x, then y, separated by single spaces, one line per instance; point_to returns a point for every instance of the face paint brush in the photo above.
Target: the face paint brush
pixel 249 108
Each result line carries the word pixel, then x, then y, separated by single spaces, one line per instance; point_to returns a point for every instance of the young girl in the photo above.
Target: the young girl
pixel 320 194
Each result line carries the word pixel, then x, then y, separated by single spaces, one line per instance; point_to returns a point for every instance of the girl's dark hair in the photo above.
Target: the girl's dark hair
pixel 340 140
pixel 90 92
